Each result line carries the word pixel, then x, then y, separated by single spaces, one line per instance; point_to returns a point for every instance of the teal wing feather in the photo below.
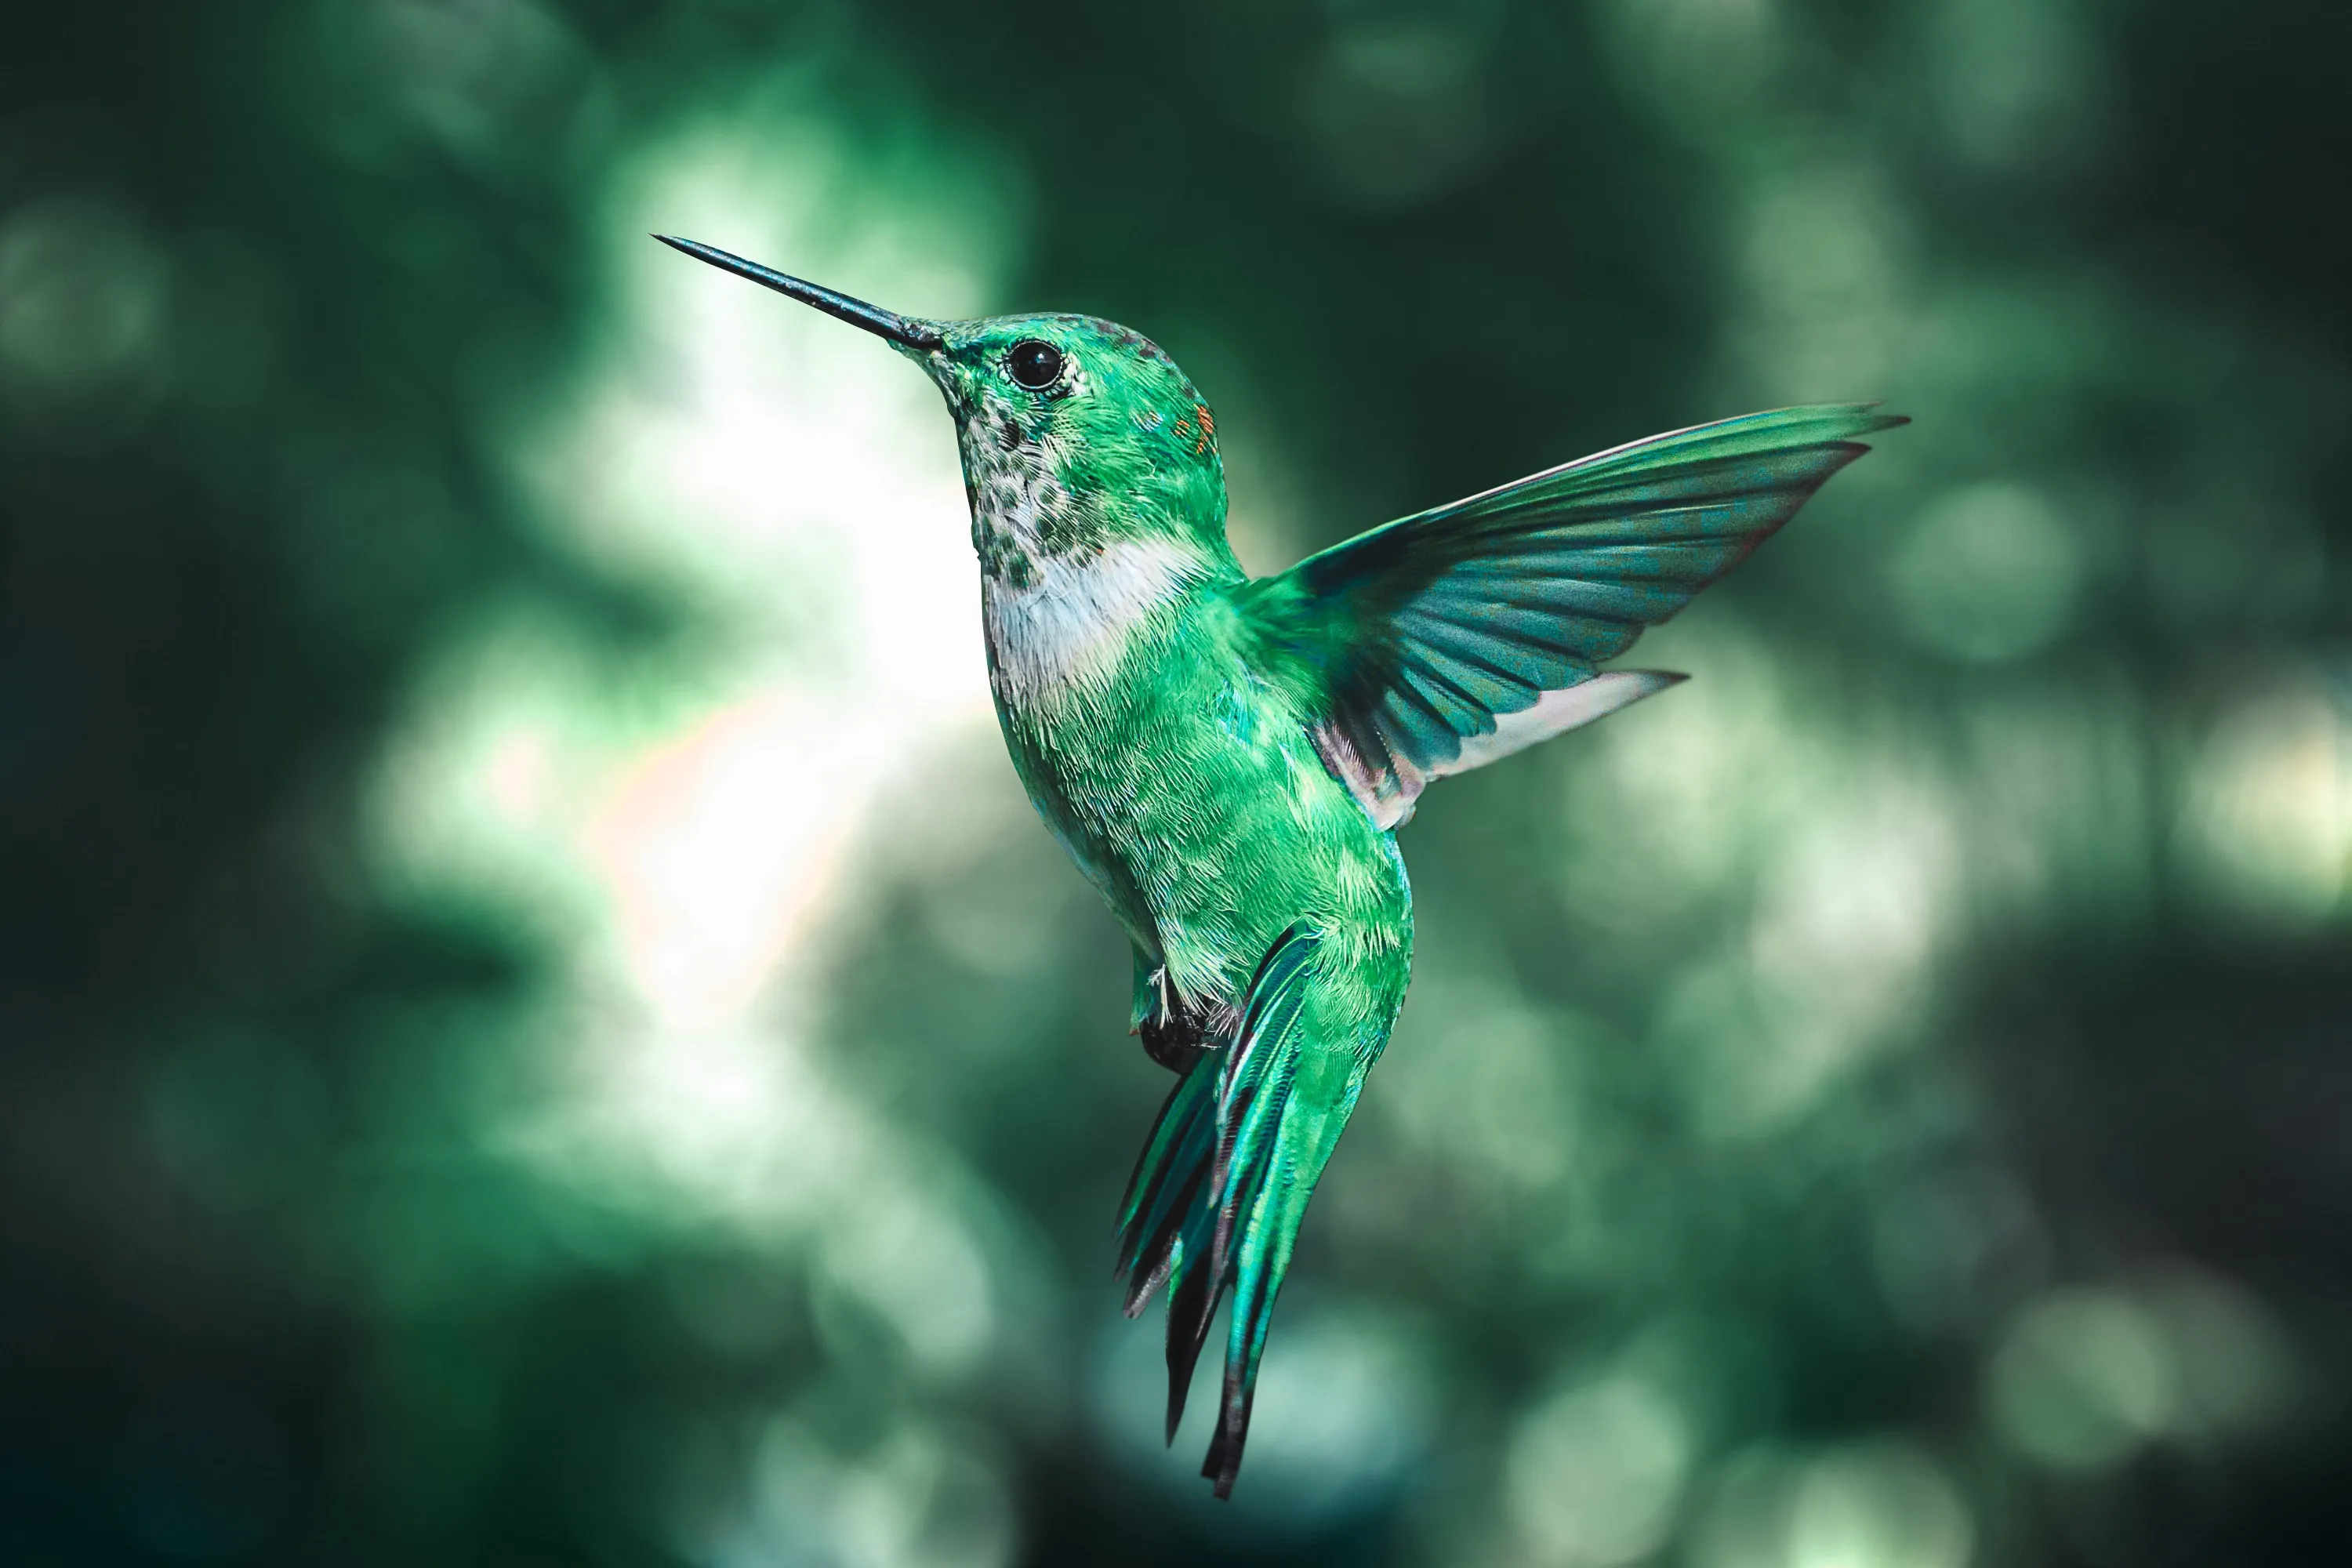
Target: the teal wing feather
pixel 1442 640
pixel 1223 1182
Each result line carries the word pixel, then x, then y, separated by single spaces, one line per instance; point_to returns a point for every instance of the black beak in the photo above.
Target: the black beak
pixel 906 332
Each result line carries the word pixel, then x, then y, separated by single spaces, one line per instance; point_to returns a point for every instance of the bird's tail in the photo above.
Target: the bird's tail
pixel 1224 1181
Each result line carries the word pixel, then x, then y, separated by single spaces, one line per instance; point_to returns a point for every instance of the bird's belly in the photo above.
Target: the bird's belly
pixel 1192 796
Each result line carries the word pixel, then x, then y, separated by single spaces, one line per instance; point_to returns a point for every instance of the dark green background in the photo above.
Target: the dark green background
pixel 1887 1104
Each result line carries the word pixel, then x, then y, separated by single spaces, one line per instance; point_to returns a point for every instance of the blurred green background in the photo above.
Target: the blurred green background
pixel 536 1025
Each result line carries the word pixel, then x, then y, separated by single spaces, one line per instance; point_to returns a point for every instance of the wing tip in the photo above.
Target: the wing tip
pixel 1874 421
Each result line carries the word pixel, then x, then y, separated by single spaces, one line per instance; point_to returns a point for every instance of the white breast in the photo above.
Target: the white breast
pixel 1068 627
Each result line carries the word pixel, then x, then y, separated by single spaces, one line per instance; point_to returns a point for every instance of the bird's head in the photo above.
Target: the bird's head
pixel 1075 431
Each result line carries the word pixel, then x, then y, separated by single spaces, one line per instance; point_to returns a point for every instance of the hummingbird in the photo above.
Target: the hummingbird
pixel 1227 759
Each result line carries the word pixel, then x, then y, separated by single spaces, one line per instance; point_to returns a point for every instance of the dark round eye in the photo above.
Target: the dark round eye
pixel 1035 364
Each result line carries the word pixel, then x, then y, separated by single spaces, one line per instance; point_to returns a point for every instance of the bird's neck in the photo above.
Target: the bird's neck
pixel 1079 551
pixel 1039 497
pixel 1066 627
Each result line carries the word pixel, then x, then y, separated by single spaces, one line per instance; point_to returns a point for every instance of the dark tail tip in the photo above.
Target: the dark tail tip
pixel 1223 1463
pixel 1190 1313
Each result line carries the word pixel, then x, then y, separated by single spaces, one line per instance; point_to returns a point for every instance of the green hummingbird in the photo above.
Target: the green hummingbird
pixel 1228 758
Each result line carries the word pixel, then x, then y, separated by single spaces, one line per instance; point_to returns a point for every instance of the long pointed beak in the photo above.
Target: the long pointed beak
pixel 908 331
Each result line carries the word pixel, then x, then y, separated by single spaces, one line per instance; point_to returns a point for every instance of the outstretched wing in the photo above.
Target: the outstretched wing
pixel 1444 640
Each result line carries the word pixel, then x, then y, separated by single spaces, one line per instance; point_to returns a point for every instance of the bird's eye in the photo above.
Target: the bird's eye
pixel 1035 365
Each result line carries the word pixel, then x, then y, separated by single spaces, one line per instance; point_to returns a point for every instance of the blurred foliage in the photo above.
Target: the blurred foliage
pixel 536 1026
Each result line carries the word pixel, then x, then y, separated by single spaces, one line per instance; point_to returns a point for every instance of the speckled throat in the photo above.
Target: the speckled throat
pixel 1090 500
pixel 1022 513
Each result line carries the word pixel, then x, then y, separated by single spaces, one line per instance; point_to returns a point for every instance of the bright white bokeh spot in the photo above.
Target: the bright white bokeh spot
pixel 2268 823
pixel 721 846
pixel 684 827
